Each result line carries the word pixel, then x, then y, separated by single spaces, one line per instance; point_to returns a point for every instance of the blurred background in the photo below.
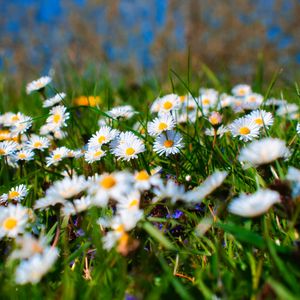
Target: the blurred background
pixel 139 38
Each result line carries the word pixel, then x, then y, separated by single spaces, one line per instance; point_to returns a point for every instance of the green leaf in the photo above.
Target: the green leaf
pixel 156 234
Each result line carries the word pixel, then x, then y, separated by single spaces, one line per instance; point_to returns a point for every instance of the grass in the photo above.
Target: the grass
pixel 234 258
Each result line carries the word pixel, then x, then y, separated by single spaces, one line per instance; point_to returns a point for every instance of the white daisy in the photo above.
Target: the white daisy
pixel 109 185
pixel 143 181
pixel 129 149
pixel 37 143
pixel 33 269
pixel 170 190
pixel 245 129
pixel 21 126
pixel 54 100
pixel 28 246
pixel 8 148
pixel 13 220
pixel 261 117
pixel 220 131
pixel 208 100
pixel 93 155
pixel 125 112
pixel 169 103
pixel 252 101
pixel 38 84
pixel 241 90
pixel 103 136
pixel 255 204
pixel 264 151
pixel 57 155
pixel 58 117
pixel 17 193
pixel 289 109
pixel 162 123
pixel 211 183
pixel 24 154
pixel 130 201
pixel 77 206
pixel 168 143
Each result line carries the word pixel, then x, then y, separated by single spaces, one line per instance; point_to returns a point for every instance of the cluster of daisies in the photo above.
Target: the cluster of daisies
pixel 130 196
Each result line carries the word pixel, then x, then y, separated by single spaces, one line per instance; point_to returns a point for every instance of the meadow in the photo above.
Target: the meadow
pixel 187 190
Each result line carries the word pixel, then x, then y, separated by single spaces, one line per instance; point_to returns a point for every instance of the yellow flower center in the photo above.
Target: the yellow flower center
pixel 56 118
pixel 13 194
pixel 120 228
pixel 108 182
pixel 101 139
pixel 168 105
pixel 133 203
pixel 98 153
pixel 252 99
pixel 206 101
pixel 37 144
pixel 22 155
pixel 162 126
pixel 10 223
pixel 57 156
pixel 182 98
pixel 244 130
pixel 2 152
pixel 15 118
pixel 259 121
pixel 242 92
pixel 214 120
pixel 168 143
pixel 130 151
pixel 37 248
pixel 142 175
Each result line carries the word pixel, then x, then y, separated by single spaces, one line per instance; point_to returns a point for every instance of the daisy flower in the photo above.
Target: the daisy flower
pixel 109 185
pixel 54 100
pixel 208 100
pixel 24 154
pixel 37 143
pixel 264 151
pixel 207 187
pixel 215 118
pixel 103 136
pixel 129 149
pixel 28 246
pixel 162 123
pixel 143 181
pixel 13 220
pixel 129 201
pixel 21 126
pixel 33 269
pixel 168 143
pixel 57 155
pixel 220 131
pixel 255 204
pixel 38 84
pixel 169 103
pixel 125 112
pixel 93 155
pixel 77 206
pixel 252 101
pixel 67 187
pixel 241 90
pixel 170 190
pixel 8 148
pixel 261 117
pixel 290 109
pixel 18 193
pixel 245 129
pixel 58 117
